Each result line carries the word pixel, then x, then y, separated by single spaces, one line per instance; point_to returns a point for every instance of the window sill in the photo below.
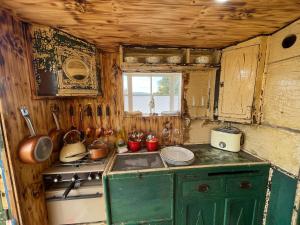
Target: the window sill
pixel 150 116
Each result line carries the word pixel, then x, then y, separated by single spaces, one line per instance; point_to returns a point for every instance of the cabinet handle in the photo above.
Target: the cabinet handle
pixel 245 185
pixel 222 84
pixel 203 188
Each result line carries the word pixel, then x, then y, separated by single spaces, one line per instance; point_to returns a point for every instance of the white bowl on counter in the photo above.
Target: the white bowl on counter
pixel 174 59
pixel 153 59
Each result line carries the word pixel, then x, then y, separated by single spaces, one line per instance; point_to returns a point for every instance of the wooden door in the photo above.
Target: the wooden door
pixel 237 83
pixel 241 211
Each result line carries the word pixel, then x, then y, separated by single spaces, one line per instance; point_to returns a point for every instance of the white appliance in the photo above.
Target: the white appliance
pixel 74 192
pixel 226 138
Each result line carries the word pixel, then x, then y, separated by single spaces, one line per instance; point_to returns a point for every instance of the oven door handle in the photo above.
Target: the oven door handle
pixel 78 197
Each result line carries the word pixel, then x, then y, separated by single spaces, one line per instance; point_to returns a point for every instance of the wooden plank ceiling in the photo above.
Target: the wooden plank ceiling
pixel 194 23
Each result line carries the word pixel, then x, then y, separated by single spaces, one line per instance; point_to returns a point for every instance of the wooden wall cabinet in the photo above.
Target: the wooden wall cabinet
pixel 200 93
pixel 242 68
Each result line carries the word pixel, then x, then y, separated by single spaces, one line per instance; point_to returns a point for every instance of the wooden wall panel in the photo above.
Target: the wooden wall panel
pixel 277 52
pixel 15 91
pixel 280 147
pixel 199 131
pixel 282 94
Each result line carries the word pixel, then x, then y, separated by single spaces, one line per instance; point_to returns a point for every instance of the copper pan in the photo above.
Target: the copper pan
pixel 35 148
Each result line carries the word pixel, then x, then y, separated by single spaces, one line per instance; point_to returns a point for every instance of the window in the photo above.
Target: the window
pixel 152 92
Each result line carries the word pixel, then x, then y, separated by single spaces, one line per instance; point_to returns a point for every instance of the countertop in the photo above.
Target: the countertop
pixel 208 155
pixel 205 156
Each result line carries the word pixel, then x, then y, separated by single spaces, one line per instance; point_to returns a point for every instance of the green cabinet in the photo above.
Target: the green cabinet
pixel 201 212
pixel 241 211
pixel 221 196
pixel 140 198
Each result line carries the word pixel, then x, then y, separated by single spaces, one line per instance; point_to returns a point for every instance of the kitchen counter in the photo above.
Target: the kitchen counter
pixel 205 156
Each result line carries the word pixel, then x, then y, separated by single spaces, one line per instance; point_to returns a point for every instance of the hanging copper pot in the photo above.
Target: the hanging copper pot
pixel 35 148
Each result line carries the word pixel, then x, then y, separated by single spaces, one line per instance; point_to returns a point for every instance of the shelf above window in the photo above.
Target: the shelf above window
pixel 143 59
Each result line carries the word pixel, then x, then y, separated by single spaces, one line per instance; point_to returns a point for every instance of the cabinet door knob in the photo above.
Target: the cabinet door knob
pixel 203 188
pixel 245 185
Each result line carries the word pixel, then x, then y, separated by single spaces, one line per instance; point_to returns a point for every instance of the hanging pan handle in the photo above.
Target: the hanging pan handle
pixel 25 114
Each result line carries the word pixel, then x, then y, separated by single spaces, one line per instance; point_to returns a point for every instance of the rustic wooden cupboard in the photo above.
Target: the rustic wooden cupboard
pixel 241 79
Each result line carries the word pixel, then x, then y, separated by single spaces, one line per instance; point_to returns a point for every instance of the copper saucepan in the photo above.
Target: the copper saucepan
pixel 97 150
pixel 35 148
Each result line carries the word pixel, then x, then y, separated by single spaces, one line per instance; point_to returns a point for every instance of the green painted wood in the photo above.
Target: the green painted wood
pixel 143 198
pixel 241 211
pixel 203 211
pixel 223 201
pixel 283 191
pixel 298 219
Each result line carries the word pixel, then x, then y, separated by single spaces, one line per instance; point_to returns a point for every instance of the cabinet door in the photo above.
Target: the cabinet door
pixel 237 83
pixel 241 211
pixel 141 198
pixel 202 212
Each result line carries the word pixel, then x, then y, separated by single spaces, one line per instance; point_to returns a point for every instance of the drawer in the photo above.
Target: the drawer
pixel 245 184
pixel 281 46
pixel 203 187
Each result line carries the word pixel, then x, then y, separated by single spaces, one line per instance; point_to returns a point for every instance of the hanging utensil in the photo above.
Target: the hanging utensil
pixel 71 112
pixel 36 148
pixel 56 134
pixel 80 123
pixel 90 130
pixel 108 131
pixel 100 129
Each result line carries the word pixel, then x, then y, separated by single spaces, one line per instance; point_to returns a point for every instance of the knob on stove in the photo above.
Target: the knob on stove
pixel 97 177
pixel 74 178
pixel 90 177
pixel 57 178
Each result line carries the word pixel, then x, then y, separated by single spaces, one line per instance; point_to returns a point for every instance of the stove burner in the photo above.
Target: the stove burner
pixel 84 161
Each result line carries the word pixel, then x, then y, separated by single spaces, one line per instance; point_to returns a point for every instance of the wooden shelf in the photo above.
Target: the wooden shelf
pixel 143 67
pixel 188 58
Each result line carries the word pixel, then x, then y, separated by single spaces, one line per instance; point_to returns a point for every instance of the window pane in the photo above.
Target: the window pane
pixel 125 85
pixel 177 85
pixel 141 103
pixel 141 85
pixel 160 85
pixel 164 87
pixel 177 105
pixel 126 108
pixel 162 103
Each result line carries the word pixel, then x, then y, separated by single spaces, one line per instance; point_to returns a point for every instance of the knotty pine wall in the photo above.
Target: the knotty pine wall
pixel 15 91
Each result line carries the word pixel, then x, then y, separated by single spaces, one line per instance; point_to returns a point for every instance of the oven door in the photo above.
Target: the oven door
pixel 83 205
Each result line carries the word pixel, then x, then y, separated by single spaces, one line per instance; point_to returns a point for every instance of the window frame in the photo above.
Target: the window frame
pixel 172 77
